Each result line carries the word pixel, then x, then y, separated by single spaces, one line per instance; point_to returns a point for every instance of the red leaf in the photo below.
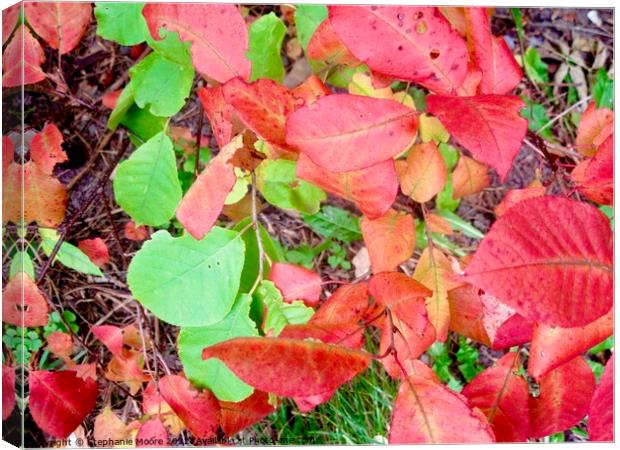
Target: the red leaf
pixel 428 412
pixel 239 416
pixel 134 233
pixel 8 152
pixel 288 367
pixel 489 126
pixel 407 43
pixel 466 314
pixel 9 20
pixel 500 71
pixel 263 106
pixel 203 203
pixel 373 190
pixel 109 99
pixel 345 132
pixel 45 198
pixel 33 305
pixel 59 401
pixel 595 177
pixel 60 24
pixel 347 334
pixel 217 32
pixel 549 258
pixel 110 336
pixel 8 390
pixel 96 250
pixel 503 325
pixel 595 126
pixel 390 240
pixel 23 53
pixel 154 405
pixel 219 112
pixel 405 299
pixel 199 411
pixel 564 399
pixel 469 177
pixel 326 46
pixel 502 396
pixel 601 413
pixel 296 283
pixel 349 304
pixel 424 174
pixel 46 148
pixel 554 346
pixel 152 433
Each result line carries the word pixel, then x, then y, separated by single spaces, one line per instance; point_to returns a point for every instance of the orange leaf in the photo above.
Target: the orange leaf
pixel 390 240
pixel 503 397
pixel 239 416
pixel 345 132
pixel 466 314
pixel 428 412
pixel 310 90
pixel 349 304
pixel 347 334
pixel 199 411
pixel 469 177
pixel 601 413
pixel 46 148
pixel 296 283
pixel 134 233
pixel 288 367
pixel 565 395
pixel 595 126
pixel 515 196
pixel 60 24
pixel 553 346
pixel 326 46
pixel 438 224
pixel 128 369
pixel 108 427
pixel 32 305
pixel 373 190
pixel 60 344
pixel 489 126
pixel 23 53
pixel 425 174
pixel 96 250
pixel 217 32
pixel 549 258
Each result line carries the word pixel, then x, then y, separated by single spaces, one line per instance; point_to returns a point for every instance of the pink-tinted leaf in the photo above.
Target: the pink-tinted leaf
pixel 425 173
pixel 326 46
pixel 595 177
pixel 238 416
pixel 565 395
pixel 489 126
pixel 263 106
pixel 345 132
pixel 8 152
pixel 469 177
pixel 219 113
pixel 307 404
pixel 8 390
pixel 428 412
pixel 390 240
pixel 217 32
pixel 60 344
pixel 9 20
pixel 96 250
pixel 372 190
pixel 550 258
pixel 601 413
pixel 33 305
pixel 59 401
pixel 407 43
pixel 110 336
pixel 595 126
pixel 500 71
pixel 46 148
pixel 553 346
pixel 199 411
pixel 152 433
pixel 296 283
pixel 23 53
pixel 60 24
pixel 502 396
pixel 134 233
pixel 289 367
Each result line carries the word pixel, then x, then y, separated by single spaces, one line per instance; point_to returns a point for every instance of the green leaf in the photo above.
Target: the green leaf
pixel 161 82
pixel 467 356
pixel 536 115
pixel 280 314
pixel 461 225
pixel 516 13
pixel 266 35
pixel 250 266
pixel 445 200
pixel 333 222
pixel 441 365
pixel 597 368
pixel 609 212
pixel 123 103
pixel 307 20
pixel 603 90
pixel 280 186
pixel 535 67
pixel 187 282
pixel 146 185
pixel 213 374
pixel 607 344
pixel 450 155
pixel 68 255
pixel 121 22
pixel 142 123
pixel 21 262
pixel 302 256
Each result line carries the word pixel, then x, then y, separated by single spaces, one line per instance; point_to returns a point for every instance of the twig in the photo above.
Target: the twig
pixel 198 139
pixel 108 209
pixel 563 113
